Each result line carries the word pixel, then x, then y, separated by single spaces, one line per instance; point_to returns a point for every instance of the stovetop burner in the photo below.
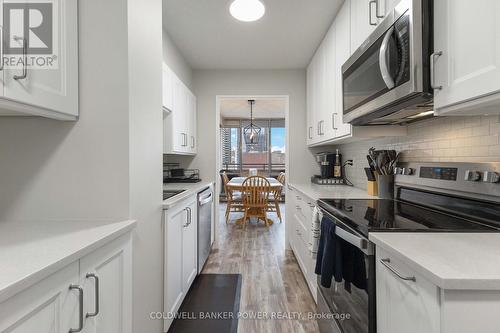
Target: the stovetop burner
pixel 391 215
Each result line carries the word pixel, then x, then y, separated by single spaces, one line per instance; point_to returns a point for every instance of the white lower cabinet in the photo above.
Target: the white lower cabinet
pixel 404 305
pixel 180 225
pixel 107 283
pixel 62 301
pixel 420 306
pixel 299 234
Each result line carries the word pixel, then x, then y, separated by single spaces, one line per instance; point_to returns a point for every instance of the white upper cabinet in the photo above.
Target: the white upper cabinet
pixel 342 53
pixel 363 20
pixel 179 116
pixel 325 123
pixel 168 89
pixel 51 90
pixel 467 57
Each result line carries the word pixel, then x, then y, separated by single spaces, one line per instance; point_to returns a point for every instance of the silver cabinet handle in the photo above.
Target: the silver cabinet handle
pixel 192 141
pixel 382 59
pixel 434 56
pixel 25 61
pixel 187 218
pixel 190 216
pixel 80 302
pixel 310 129
pixel 386 262
pixel 96 293
pixel 333 121
pixel 318 130
pixel 377 10
pixel 370 12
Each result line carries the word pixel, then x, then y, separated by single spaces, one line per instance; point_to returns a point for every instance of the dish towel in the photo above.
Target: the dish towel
pixel 315 231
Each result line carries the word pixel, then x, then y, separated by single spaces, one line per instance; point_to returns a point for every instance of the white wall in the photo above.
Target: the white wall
pixel 208 84
pixel 174 59
pixel 108 164
pixel 61 170
pixel 146 151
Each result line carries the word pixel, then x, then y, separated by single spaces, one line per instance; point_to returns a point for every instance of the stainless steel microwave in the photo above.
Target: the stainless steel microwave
pixel 387 80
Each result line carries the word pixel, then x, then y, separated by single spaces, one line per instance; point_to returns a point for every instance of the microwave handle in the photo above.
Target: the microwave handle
pixel 384 69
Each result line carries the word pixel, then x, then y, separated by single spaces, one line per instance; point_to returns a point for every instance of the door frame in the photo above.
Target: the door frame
pixel 218 100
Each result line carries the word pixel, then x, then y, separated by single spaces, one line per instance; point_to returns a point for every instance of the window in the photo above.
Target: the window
pixel 268 156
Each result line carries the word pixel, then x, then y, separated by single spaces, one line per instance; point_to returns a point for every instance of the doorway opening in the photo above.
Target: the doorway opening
pixel 237 158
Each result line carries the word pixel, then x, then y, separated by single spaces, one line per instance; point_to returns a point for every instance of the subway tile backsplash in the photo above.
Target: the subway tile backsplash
pixel 446 139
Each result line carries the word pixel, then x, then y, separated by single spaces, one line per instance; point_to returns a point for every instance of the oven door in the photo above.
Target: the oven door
pixel 387 69
pixel 352 307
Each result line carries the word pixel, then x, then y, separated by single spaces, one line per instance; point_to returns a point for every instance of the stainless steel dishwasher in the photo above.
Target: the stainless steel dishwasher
pixel 205 215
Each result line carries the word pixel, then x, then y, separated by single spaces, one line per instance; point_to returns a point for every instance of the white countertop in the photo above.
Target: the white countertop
pixel 467 261
pixel 190 189
pixel 316 192
pixel 31 251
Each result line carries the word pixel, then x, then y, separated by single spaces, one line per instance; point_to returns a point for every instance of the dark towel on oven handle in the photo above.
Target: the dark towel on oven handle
pixel 339 259
pixel 329 257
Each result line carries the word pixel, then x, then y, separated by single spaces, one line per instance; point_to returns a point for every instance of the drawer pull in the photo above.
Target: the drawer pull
pixel 386 262
pixel 96 291
pixel 80 310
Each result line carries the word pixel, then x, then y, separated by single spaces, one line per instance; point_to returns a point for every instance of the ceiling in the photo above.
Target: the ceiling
pixel 263 108
pixel 285 38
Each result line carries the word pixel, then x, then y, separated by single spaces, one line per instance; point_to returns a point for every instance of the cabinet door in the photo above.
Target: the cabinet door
pixel 342 53
pixel 54 89
pixel 309 98
pixel 46 307
pixel 405 306
pixel 363 21
pixel 175 220
pixel 106 275
pixel 190 247
pixel 469 67
pixel 168 98
pixel 328 98
pixel 179 135
pixel 192 123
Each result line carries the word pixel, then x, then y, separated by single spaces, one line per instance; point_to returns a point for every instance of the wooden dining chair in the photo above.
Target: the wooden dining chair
pixel 234 201
pixel 255 194
pixel 274 202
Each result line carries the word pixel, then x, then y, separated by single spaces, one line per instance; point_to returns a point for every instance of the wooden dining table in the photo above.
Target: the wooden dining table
pixel 236 184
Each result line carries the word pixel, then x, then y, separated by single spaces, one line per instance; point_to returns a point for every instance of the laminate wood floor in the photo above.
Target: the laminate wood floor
pixel 272 281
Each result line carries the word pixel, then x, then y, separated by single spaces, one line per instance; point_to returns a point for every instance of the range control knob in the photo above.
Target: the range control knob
pixel 491 177
pixel 472 176
pixel 408 171
pixel 398 171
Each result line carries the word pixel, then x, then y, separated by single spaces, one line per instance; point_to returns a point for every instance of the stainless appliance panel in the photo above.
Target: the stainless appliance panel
pixel 344 298
pixel 205 215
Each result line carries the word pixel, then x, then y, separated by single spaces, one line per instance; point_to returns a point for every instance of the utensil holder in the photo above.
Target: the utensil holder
pixel 385 185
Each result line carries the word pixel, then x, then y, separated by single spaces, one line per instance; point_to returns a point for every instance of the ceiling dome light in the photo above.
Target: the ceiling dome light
pixel 247 10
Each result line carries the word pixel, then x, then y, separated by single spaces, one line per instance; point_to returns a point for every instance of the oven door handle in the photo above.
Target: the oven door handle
pixel 359 242
pixel 382 59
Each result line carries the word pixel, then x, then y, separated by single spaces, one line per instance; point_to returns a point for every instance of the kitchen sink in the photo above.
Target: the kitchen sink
pixel 167 194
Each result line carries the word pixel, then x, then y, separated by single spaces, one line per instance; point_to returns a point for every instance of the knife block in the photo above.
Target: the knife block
pixel 372 188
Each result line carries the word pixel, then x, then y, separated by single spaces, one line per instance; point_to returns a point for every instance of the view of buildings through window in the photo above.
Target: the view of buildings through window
pixel 267 156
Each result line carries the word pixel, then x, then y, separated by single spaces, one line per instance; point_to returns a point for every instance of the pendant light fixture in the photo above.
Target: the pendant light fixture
pixel 251 132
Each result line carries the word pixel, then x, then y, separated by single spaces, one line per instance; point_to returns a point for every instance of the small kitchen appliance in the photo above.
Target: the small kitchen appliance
pixel 332 169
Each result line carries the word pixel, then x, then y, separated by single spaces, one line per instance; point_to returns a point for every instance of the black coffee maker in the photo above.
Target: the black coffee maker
pixel 327 162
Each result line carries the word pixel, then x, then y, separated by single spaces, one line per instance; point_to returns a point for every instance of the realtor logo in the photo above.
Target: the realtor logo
pixel 29 33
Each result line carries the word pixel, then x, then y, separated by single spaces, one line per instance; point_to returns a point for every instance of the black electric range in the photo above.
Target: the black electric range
pixel 428 197
pixel 415 211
